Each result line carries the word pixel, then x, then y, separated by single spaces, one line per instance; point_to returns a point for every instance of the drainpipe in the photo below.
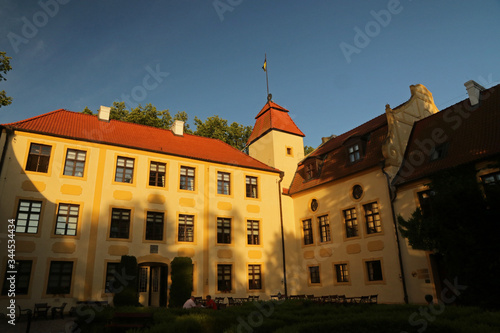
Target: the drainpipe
pixel 4 148
pixel 392 196
pixel 282 174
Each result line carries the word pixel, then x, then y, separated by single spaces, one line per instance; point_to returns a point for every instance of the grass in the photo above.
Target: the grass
pixel 304 316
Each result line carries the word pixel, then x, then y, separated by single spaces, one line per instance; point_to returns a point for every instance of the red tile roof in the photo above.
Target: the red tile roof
pixel 273 116
pixel 472 134
pixel 334 156
pixel 79 126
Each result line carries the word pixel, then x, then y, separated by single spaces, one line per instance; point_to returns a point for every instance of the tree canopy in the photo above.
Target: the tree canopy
pixel 4 68
pixel 460 222
pixel 215 127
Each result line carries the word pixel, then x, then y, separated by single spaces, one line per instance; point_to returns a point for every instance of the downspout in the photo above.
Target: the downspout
pixel 282 174
pixel 392 197
pixel 4 148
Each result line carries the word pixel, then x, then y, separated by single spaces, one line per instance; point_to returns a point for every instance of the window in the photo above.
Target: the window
pixel 124 169
pixel 223 183
pixel 224 282
pixel 492 179
pixel 157 174
pixel 38 158
pixel 289 151
pixel 143 279
pixel 253 232
pixel 351 223
pixel 308 232
pixel 187 178
pixel 251 187
pixel 491 184
pixel 424 200
pixel 23 275
pixel 75 163
pixel 254 277
pixel 439 152
pixel 314 274
pixel 223 230
pixel 67 219
pixel 324 229
pixel 186 228
pixel 374 270
pixel 357 192
pixel 354 153
pixel 154 226
pixel 372 217
pixel 120 223
pixel 111 277
pixel 28 216
pixel 342 273
pixel 60 274
pixel 314 205
pixel 310 170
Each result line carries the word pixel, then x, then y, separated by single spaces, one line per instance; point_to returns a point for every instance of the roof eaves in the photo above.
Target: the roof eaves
pixel 271 169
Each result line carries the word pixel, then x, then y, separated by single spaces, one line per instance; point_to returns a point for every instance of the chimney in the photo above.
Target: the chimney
pixel 474 90
pixel 177 127
pixel 103 113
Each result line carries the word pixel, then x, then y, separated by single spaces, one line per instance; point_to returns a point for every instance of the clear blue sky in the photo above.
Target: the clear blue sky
pixel 91 53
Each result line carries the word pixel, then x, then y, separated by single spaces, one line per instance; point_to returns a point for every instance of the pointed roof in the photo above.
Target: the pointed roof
pixel 273 117
pixel 334 160
pixel 79 126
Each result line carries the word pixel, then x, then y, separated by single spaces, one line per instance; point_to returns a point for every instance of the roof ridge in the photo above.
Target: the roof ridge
pixel 35 117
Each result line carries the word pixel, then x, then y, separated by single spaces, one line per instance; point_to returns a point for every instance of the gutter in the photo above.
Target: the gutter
pixel 282 174
pixel 392 197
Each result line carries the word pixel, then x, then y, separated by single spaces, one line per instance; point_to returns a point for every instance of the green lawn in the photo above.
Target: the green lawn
pixel 304 316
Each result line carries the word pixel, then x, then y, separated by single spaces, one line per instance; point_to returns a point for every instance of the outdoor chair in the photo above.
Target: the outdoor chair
pixel 41 310
pixel 58 310
pixel 24 313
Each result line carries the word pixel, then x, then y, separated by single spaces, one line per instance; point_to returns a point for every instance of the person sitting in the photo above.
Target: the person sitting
pixel 210 303
pixel 190 303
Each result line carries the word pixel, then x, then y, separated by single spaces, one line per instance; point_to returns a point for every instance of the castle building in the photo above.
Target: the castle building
pixel 82 190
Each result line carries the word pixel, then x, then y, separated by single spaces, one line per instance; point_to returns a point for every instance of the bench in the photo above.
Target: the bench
pixel 122 321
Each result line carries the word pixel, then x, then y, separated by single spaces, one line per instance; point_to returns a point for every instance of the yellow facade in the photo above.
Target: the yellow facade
pixel 97 193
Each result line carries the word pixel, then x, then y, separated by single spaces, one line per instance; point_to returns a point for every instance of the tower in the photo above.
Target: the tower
pixel 276 140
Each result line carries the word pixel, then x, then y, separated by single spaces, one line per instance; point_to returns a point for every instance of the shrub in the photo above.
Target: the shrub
pixel 127 294
pixel 182 281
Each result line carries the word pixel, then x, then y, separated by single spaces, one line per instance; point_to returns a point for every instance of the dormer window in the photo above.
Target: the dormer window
pixel 439 152
pixel 310 171
pixel 354 153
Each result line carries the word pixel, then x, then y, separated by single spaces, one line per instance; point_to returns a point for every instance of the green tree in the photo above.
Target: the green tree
pixel 87 111
pixel 461 225
pixel 217 128
pixel 118 111
pixel 4 68
pixel 308 150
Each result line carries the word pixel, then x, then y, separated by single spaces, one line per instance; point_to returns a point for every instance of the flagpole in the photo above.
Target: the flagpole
pixel 267 79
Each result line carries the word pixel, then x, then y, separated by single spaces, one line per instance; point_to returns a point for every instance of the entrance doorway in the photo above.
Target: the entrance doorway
pixel 153 279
